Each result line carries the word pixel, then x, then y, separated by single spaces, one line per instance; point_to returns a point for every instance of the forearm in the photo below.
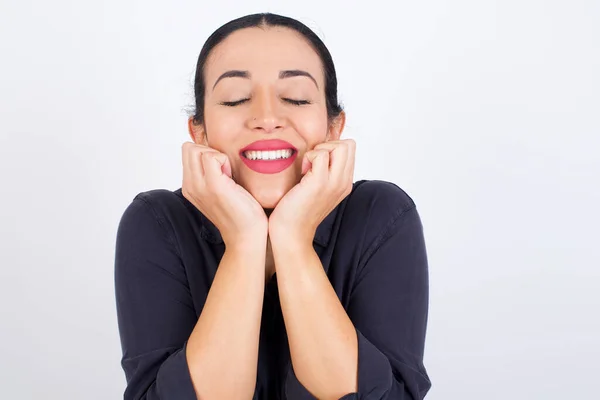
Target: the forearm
pixel 222 351
pixel 322 339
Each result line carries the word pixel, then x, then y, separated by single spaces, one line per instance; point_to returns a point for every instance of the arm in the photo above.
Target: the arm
pixel 169 353
pixel 322 338
pixel 388 309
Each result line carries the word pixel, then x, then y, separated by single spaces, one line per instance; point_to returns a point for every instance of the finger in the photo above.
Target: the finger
pixel 339 161
pixel 330 146
pixel 342 161
pixel 202 151
pixel 338 150
pixel 305 163
pixel 216 165
pixel 196 165
pixel 186 149
pixel 319 160
pixel 227 167
pixel 192 161
pixel 212 167
pixel 224 164
pixel 351 159
pixel 309 157
pixel 184 154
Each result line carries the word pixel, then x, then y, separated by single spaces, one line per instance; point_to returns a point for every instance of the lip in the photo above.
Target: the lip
pixel 269 166
pixel 270 144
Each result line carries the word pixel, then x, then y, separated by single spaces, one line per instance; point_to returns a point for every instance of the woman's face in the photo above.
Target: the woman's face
pixel 260 102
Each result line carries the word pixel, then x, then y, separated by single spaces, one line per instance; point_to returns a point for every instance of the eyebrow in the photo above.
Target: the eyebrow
pixel 282 75
pixel 296 72
pixel 233 74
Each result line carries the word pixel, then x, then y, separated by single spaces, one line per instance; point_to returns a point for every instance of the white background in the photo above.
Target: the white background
pixel 485 112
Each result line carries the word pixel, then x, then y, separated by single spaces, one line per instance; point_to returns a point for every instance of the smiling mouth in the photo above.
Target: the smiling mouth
pixel 269 162
pixel 268 155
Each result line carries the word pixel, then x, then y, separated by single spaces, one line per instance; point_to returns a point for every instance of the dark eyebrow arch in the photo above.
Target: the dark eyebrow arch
pixel 282 75
pixel 233 74
pixel 296 72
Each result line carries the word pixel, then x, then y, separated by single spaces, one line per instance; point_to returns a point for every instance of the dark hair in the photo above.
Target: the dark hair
pixel 266 20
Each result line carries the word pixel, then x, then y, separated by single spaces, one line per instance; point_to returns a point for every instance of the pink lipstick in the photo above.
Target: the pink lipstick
pixel 265 158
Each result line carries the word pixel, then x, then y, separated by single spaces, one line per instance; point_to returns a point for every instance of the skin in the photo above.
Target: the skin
pixel 322 338
pixel 266 115
pixel 264 53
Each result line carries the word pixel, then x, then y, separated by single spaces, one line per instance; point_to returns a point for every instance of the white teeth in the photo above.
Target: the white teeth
pixel 268 155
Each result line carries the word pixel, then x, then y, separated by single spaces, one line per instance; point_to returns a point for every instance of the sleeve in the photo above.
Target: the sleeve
pixel 389 309
pixel 155 312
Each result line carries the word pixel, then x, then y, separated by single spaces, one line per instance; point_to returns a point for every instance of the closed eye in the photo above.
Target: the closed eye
pixel 297 102
pixel 291 101
pixel 233 103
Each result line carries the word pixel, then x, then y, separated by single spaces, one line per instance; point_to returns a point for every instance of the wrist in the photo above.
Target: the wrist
pixel 251 242
pixel 290 241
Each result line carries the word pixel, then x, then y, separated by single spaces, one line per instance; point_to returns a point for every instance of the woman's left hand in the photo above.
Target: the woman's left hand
pixel 328 176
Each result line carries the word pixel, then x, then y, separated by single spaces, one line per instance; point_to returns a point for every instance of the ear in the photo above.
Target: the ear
pixel 337 127
pixel 197 132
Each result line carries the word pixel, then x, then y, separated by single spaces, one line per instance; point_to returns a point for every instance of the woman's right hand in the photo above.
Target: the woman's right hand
pixel 208 185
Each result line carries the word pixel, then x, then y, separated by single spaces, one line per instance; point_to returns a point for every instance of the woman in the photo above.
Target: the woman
pixel 270 274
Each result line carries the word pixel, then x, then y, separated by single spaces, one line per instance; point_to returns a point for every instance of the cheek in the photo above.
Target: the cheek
pixel 222 128
pixel 312 127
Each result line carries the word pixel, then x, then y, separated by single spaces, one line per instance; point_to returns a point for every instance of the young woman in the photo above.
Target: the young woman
pixel 270 274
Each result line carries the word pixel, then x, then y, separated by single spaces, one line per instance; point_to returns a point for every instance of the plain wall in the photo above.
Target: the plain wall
pixel 485 112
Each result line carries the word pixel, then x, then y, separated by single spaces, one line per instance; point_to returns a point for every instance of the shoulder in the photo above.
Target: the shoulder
pixel 374 207
pixel 379 198
pixel 153 208
pixel 163 204
pixel 161 198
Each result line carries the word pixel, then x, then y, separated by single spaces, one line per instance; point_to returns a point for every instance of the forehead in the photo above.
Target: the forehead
pixel 263 51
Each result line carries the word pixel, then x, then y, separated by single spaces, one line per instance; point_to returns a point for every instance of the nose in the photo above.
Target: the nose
pixel 265 114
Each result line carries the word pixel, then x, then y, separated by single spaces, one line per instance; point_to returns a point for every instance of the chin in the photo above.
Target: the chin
pixel 268 202
pixel 268 198
pixel 268 191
